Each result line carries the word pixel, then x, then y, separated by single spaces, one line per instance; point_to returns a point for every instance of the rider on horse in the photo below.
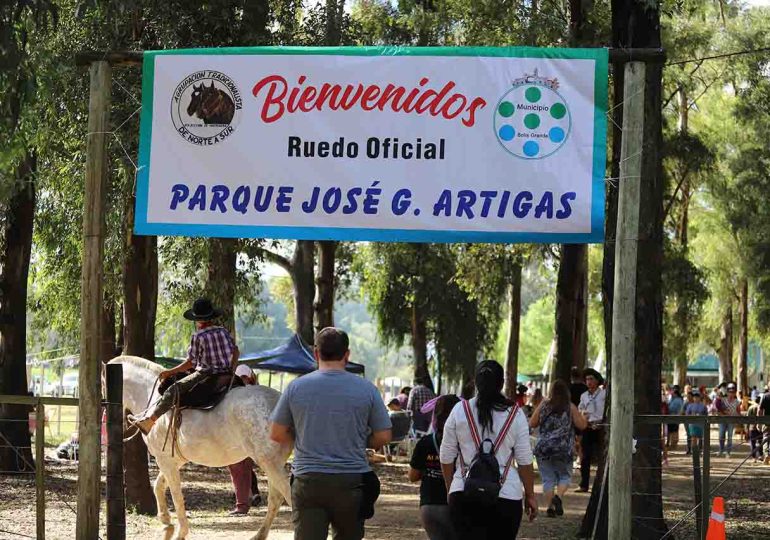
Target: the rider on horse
pixel 212 353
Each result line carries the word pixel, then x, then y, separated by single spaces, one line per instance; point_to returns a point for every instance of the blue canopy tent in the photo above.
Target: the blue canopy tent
pixel 291 357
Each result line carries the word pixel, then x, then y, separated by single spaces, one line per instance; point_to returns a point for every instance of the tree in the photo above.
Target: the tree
pixel 413 292
pixel 20 21
pixel 489 274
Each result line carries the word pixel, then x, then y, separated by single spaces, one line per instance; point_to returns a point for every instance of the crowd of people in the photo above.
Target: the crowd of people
pixel 474 458
pixel 723 400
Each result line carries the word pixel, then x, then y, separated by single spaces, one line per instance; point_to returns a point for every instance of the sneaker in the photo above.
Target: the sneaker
pixel 728 455
pixel 557 505
pixel 721 454
pixel 581 490
pixel 237 512
pixel 551 512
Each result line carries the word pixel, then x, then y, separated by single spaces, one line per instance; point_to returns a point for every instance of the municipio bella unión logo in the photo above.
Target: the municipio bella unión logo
pixel 532 120
pixel 206 107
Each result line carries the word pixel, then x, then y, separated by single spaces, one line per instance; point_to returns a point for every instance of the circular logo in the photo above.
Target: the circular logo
pixel 532 120
pixel 205 107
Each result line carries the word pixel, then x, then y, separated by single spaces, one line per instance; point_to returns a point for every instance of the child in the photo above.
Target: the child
pixel 212 353
pixel 695 408
pixel 426 467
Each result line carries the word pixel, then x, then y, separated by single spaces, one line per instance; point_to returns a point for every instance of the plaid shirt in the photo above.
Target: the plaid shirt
pixel 211 350
pixel 419 396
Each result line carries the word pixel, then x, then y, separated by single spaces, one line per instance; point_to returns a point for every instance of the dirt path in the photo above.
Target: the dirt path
pixel 209 497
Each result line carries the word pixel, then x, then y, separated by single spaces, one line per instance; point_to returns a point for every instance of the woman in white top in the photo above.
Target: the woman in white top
pixel 490 410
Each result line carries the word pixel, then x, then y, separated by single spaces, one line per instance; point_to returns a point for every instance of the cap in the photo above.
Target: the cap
pixel 731 386
pixel 244 371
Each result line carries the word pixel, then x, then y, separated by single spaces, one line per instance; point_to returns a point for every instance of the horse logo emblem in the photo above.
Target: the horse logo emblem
pixel 205 107
pixel 532 119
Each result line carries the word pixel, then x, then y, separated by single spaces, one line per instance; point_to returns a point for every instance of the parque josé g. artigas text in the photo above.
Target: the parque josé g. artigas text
pixel 369 199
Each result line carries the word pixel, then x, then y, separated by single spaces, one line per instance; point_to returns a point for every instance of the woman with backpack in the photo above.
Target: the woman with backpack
pixel 482 437
pixel 557 418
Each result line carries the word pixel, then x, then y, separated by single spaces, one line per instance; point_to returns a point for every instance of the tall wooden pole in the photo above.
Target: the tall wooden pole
pixel 89 465
pixel 624 303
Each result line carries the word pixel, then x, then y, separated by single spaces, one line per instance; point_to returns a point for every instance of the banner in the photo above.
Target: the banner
pixel 401 144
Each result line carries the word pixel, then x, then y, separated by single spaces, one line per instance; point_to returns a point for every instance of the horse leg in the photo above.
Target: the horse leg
pixel 174 480
pixel 276 476
pixel 160 488
pixel 274 500
pixel 278 491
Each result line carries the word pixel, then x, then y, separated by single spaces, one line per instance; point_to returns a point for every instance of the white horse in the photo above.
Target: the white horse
pixel 237 428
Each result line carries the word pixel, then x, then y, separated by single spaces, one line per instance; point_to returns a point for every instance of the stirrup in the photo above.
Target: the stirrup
pixel 139 423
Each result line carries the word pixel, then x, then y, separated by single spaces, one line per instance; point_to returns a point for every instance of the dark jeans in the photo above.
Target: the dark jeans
pixel 473 522
pixel 590 447
pixel 319 500
pixel 755 437
pixel 437 522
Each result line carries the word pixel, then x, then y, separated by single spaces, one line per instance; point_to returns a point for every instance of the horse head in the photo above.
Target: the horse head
pixel 200 95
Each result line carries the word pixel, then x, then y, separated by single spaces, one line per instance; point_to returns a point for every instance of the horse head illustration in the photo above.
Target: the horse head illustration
pixel 211 104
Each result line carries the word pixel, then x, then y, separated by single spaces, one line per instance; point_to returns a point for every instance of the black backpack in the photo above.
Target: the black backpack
pixel 482 477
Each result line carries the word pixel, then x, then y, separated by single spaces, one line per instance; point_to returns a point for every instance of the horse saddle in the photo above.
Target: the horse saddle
pixel 206 394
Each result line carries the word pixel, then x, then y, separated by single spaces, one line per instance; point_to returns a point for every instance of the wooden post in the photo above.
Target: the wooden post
pixel 624 304
pixel 89 464
pixel 706 483
pixel 116 501
pixel 698 487
pixel 40 470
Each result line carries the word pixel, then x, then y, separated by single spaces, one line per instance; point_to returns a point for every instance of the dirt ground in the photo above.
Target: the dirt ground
pixel 209 497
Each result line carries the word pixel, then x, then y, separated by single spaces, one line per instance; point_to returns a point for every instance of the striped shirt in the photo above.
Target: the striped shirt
pixel 211 350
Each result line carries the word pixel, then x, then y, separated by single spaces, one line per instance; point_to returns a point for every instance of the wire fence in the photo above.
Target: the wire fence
pixel 699 458
pixel 40 486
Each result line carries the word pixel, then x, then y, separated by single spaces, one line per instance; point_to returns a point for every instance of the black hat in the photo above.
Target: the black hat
pixel 202 310
pixel 593 373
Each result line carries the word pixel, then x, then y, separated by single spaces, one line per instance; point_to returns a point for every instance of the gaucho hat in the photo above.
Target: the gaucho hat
pixel 202 310
pixel 593 373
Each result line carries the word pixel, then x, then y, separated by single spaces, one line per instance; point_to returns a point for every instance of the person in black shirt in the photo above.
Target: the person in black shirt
pixel 426 467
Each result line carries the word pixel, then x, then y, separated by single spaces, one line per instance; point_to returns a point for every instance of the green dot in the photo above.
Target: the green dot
pixel 506 109
pixel 532 94
pixel 532 120
pixel 558 110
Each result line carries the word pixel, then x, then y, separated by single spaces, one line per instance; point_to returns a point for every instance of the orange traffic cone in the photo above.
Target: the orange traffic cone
pixel 716 529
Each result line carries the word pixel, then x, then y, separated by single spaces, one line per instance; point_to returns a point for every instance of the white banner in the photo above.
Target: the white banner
pixel 385 144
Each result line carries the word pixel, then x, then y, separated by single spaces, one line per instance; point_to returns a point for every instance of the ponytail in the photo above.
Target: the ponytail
pixel 489 386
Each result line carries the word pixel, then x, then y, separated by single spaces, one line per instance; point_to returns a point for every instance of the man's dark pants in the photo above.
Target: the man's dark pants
pixel 590 446
pixel 319 500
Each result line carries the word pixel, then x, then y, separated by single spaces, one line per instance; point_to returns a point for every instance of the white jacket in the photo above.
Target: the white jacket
pixel 457 434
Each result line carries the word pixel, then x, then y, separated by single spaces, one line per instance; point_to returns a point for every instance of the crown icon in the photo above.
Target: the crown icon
pixel 535 78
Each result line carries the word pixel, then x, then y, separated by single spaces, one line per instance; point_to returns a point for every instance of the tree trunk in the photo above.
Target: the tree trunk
pixel 14 265
pixel 514 318
pixel 743 351
pixel 647 503
pixel 302 266
pixel 726 346
pixel 419 341
pixel 140 302
pixel 636 25
pixel 571 310
pixel 681 349
pixel 140 295
pixel 220 286
pixel 139 494
pixel 324 305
